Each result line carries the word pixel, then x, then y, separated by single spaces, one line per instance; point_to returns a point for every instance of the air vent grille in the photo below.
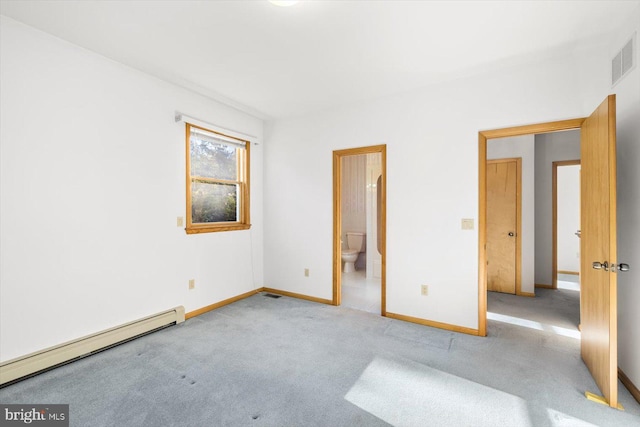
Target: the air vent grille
pixel 623 62
pixel 272 296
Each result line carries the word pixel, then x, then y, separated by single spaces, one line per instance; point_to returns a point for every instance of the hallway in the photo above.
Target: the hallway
pixel 559 308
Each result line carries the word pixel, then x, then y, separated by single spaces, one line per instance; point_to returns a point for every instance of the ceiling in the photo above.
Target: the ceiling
pixel 277 62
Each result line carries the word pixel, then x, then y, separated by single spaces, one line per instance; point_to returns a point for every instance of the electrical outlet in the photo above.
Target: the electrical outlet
pixel 179 221
pixel 306 272
pixel 192 284
pixel 424 290
pixel 467 223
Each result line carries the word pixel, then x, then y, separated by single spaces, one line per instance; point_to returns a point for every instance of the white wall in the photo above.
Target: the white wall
pixel 549 148
pixel 628 138
pixel 431 138
pixel 354 198
pixel 92 180
pixel 523 147
pixel 568 218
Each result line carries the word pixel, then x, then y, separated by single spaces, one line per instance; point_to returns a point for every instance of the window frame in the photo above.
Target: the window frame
pixel 243 168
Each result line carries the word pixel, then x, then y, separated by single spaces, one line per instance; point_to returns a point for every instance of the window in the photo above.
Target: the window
pixel 217 181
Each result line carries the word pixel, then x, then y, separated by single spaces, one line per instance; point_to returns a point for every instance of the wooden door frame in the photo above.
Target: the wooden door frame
pixel 338 155
pixel 518 273
pixel 554 179
pixel 483 136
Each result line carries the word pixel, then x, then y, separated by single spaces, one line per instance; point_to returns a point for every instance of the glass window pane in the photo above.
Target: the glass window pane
pixel 214 202
pixel 211 159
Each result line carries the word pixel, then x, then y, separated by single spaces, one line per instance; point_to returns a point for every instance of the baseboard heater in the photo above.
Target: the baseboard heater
pixel 16 369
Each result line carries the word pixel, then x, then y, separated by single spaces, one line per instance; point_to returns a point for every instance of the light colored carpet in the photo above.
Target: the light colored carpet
pixel 287 362
pixel 403 393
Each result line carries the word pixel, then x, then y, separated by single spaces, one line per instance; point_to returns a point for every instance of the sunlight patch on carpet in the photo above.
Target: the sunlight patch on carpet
pixel 569 286
pixel 405 393
pixel 565 332
pixel 558 419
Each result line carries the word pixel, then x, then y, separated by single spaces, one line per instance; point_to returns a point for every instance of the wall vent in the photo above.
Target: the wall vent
pixel 624 61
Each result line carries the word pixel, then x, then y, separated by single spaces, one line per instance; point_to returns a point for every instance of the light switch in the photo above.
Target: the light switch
pixel 467 223
pixel 180 221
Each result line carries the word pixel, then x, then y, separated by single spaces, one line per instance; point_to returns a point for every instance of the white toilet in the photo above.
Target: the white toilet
pixel 355 244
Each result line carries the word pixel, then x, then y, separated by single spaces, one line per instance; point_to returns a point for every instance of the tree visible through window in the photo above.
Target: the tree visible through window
pixel 217 181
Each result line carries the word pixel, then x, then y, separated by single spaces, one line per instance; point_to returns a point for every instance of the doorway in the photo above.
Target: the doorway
pixel 598 237
pixel 566 221
pixel 365 273
pixel 483 138
pixel 520 221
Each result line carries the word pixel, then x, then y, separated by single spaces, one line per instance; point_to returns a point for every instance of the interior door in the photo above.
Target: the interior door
pixel 501 225
pixel 598 304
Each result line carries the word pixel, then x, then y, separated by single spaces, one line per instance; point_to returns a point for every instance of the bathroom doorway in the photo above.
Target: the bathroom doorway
pixel 359 228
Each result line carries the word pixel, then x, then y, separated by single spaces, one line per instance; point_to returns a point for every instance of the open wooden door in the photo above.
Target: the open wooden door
pixel 599 344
